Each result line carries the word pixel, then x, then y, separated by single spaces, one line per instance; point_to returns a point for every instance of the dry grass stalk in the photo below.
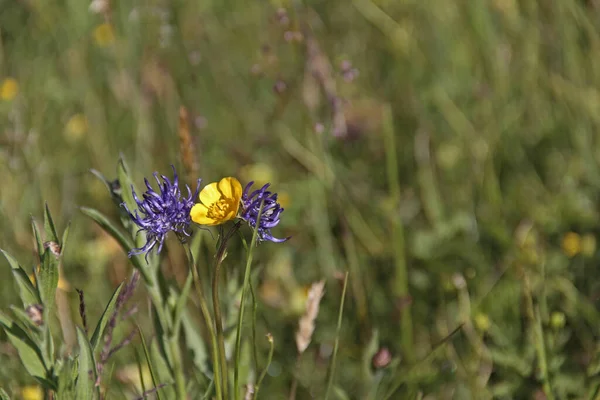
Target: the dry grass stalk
pixel 306 325
pixel 186 144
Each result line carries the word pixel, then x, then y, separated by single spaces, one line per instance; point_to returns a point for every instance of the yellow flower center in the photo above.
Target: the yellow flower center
pixel 219 209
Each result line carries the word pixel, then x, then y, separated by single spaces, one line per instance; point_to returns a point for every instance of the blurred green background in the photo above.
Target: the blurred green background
pixel 445 153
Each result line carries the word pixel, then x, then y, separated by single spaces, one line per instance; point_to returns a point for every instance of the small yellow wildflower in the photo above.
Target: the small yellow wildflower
pixel 219 202
pixel 104 35
pixel 571 244
pixel 482 322
pixel 32 392
pixel 558 320
pixel 76 127
pixel 9 89
pixel 260 173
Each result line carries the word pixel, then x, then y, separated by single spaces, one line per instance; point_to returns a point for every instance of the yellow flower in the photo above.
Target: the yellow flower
pixel 9 89
pixel 571 244
pixel 219 202
pixel 558 320
pixel 32 392
pixel 260 173
pixel 76 127
pixel 482 322
pixel 104 35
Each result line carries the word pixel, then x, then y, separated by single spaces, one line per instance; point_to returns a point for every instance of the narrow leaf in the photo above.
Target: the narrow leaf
pixel 38 239
pixel 23 319
pixel 86 366
pixel 28 293
pixel 126 185
pixel 48 280
pixel 181 302
pixel 110 307
pixel 4 395
pixel 29 352
pixel 65 236
pixel 125 241
pixel 49 227
pixel 149 361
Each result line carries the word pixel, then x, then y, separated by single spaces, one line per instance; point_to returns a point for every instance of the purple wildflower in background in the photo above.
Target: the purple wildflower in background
pixel 162 212
pixel 271 211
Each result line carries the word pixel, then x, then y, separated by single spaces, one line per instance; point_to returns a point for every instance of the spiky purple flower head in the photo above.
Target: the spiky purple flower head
pixel 162 212
pixel 271 211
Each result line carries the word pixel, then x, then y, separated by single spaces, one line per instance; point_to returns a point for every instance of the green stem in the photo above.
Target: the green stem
pixel 177 367
pixel 176 361
pixel 238 335
pixel 208 322
pixel 538 337
pixel 400 287
pixel 217 307
pixel 337 339
pixel 264 372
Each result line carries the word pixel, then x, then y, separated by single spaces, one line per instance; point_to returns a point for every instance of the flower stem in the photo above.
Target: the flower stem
pixel 400 281
pixel 157 300
pixel 208 322
pixel 217 306
pixel 177 367
pixel 238 336
pixel 337 339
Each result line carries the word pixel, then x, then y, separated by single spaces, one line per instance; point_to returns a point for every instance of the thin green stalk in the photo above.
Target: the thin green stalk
pixel 177 367
pixel 176 360
pixel 400 287
pixel 254 307
pixel 538 337
pixel 217 307
pixel 264 371
pixel 337 339
pixel 208 322
pixel 238 335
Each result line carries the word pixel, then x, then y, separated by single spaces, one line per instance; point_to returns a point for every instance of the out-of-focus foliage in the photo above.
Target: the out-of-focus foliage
pixel 446 155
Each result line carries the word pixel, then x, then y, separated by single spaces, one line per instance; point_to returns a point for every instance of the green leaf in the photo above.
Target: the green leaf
pixel 49 227
pixel 29 353
pixel 47 346
pixel 66 370
pixel 181 302
pixel 28 293
pixel 162 370
pixel 150 364
pixel 4 395
pixel 108 311
pixel 65 236
pixel 340 393
pixel 126 185
pixel 84 387
pixel 38 239
pixel 48 280
pixel 125 241
pixel 195 343
pixel 23 319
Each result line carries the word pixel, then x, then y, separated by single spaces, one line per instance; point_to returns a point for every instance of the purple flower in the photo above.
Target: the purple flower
pixel 162 212
pixel 271 211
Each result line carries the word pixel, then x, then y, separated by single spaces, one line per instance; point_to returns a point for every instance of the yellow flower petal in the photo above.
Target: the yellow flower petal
pixel 32 392
pixel 210 194
pixel 231 188
pixel 104 35
pixel 9 89
pixel 198 215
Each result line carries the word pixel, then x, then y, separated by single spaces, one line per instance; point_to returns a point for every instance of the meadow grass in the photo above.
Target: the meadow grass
pixel 443 154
